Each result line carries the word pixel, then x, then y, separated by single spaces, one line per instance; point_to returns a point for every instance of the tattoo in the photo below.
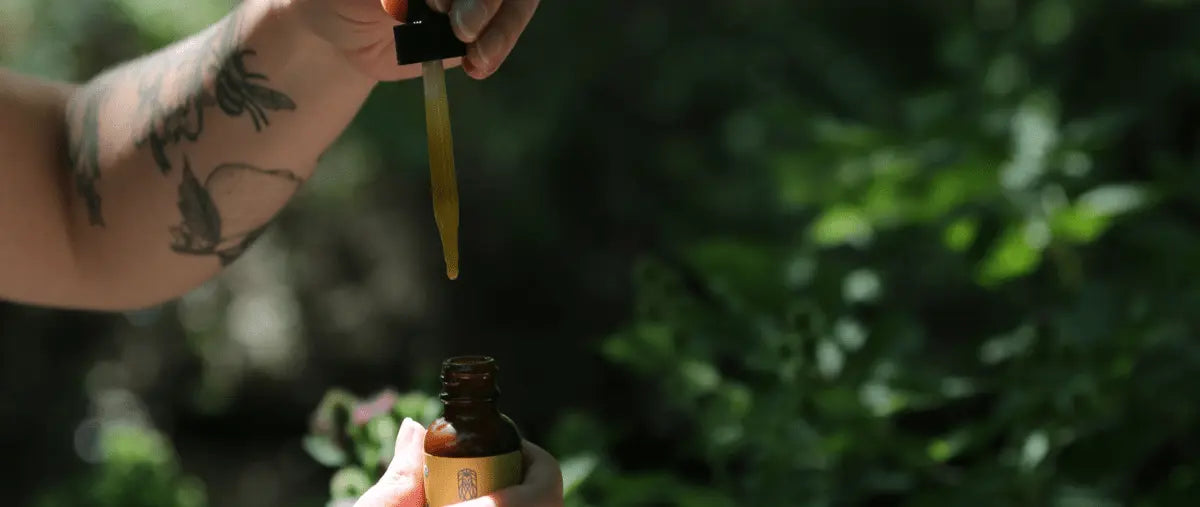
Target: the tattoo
pixel 238 92
pixel 209 229
pixel 235 89
pixel 167 127
pixel 84 148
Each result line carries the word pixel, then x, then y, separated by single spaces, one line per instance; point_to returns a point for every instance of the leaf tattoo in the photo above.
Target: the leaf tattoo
pixel 203 230
pixel 84 154
pixel 167 127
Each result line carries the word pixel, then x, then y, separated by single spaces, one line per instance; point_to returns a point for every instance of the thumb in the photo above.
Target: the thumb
pixel 401 485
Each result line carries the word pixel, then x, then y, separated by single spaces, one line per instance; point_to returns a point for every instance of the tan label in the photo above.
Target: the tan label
pixel 452 480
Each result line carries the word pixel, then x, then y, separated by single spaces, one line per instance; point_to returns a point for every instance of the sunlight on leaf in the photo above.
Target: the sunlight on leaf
pixel 1037 445
pixel 1007 346
pixel 1079 224
pixel 880 399
pixel 1082 497
pixel 829 359
pixel 1034 134
pixel 1116 199
pixel 861 286
pixel 700 375
pixel 1012 256
pixel 576 470
pixel 946 448
pixel 841 225
pixel 960 234
pixel 324 451
pixel 850 333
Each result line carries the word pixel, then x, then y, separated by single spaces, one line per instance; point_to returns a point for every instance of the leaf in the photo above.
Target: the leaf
pixel 201 228
pixel 270 99
pixel 324 451
pixel 1112 200
pixel 332 414
pixel 349 483
pixel 417 406
pixel 959 235
pixel 1092 213
pixel 576 470
pixel 1012 256
pixel 841 225
pixel 1078 224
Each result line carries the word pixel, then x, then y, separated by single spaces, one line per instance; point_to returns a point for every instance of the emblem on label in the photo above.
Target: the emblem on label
pixel 452 480
pixel 468 484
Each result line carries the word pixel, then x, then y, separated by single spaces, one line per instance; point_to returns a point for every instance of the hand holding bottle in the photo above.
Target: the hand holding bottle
pixel 401 485
pixel 362 31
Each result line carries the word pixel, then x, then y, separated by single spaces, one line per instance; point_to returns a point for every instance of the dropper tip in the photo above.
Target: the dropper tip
pixel 452 272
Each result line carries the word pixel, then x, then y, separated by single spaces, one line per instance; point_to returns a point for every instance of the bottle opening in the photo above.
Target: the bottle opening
pixel 468 361
pixel 469 378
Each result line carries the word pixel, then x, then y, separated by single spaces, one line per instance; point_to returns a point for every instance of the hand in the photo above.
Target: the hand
pixel 402 484
pixel 543 485
pixel 362 31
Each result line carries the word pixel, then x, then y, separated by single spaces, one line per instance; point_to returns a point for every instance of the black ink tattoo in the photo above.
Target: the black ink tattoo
pixel 84 149
pixel 203 231
pixel 167 127
pixel 241 91
pixel 235 89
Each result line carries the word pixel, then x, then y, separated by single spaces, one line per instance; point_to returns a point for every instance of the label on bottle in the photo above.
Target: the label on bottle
pixel 452 480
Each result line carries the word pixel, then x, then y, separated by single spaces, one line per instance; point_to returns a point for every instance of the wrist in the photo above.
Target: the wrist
pixel 310 53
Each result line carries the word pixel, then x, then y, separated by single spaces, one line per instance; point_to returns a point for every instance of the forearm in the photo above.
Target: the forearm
pixel 181 158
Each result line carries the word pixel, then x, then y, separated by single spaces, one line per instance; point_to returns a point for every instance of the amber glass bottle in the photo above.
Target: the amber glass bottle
pixel 473 449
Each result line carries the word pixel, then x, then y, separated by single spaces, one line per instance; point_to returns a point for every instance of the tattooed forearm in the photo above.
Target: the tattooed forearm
pixel 83 113
pixel 216 76
pixel 215 216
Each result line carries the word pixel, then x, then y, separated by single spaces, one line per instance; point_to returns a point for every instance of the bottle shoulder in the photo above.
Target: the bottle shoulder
pixel 472 437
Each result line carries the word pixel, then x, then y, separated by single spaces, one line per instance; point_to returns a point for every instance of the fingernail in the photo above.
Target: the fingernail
pixel 406 430
pixel 470 16
pixel 440 5
pixel 416 436
pixel 479 62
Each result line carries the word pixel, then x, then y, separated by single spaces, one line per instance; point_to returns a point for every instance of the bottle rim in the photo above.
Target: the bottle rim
pixel 469 364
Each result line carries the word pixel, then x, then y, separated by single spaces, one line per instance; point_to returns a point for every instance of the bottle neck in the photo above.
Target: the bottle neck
pixel 469 387
pixel 474 409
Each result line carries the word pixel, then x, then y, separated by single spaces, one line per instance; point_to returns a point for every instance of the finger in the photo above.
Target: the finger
pixel 397 9
pixel 542 486
pixel 409 453
pixel 543 474
pixel 498 38
pixel 470 17
pixel 401 484
pixel 441 6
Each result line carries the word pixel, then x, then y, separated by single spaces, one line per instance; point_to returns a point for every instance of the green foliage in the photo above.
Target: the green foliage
pixel 138 468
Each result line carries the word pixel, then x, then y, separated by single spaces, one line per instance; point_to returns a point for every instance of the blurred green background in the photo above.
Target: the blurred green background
pixel 764 252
